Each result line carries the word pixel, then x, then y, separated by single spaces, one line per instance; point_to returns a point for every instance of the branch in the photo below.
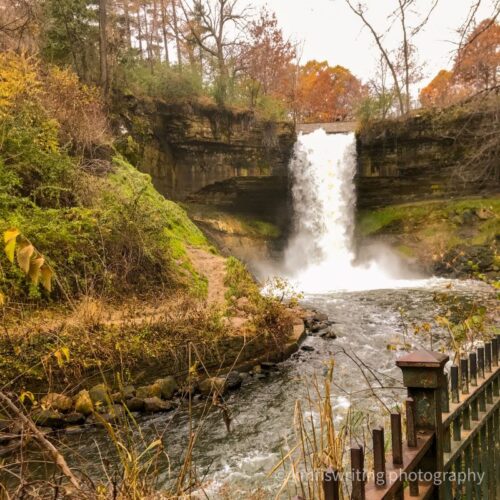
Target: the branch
pixel 58 459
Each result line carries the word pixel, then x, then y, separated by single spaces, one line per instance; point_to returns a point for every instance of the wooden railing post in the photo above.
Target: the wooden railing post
pixel 424 377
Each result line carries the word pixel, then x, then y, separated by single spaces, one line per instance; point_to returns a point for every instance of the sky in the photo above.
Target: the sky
pixel 330 31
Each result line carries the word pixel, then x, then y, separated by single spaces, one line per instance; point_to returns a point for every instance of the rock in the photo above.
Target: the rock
pixel 155 404
pixel 307 348
pixel 320 317
pixel 83 403
pixel 148 391
pixel 212 384
pixel 49 418
pixel 268 365
pixel 116 413
pixel 328 334
pixel 74 418
pixel 135 404
pixel 123 394
pixel 99 395
pixel 167 386
pixel 317 327
pixel 233 381
pixel 58 402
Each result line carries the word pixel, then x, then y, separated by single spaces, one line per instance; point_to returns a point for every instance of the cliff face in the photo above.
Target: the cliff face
pixel 215 161
pixel 425 157
pixel 186 147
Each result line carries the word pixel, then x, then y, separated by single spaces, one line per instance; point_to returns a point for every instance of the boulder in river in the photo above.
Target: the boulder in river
pixel 168 386
pixel 307 348
pixel 135 404
pixel 58 402
pixel 233 381
pixel 83 403
pixel 155 405
pixel 123 394
pixel 99 395
pixel 212 384
pixel 149 391
pixel 329 333
pixel 74 418
pixel 49 418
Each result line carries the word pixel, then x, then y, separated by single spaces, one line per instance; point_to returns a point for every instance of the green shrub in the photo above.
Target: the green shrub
pixel 159 80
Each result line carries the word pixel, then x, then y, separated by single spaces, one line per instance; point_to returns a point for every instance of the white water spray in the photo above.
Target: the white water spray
pixel 320 256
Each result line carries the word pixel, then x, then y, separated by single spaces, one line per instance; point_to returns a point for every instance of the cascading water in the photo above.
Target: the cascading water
pixel 320 256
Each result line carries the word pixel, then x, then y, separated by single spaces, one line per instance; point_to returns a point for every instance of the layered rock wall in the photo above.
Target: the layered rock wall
pixel 425 157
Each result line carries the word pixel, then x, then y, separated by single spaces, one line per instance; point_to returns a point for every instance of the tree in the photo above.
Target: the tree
pixel 478 61
pixel 401 63
pixel 437 93
pixel 327 94
pixel 18 30
pixel 103 44
pixel 71 36
pixel 217 32
pixel 267 58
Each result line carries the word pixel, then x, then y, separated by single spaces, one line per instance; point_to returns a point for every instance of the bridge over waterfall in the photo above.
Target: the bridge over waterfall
pixel 329 128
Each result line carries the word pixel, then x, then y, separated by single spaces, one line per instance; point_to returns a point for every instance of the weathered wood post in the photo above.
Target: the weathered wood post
pixel 424 377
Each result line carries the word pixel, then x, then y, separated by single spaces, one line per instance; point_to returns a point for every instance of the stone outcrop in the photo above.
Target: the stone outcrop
pixel 425 157
pixel 186 147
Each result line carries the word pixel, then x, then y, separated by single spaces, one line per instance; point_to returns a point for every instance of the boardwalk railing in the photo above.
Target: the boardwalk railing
pixel 451 448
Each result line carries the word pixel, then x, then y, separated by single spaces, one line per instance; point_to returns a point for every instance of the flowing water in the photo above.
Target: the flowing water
pixel 363 299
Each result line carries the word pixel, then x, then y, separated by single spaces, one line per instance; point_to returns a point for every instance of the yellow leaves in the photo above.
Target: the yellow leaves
pixel 9 238
pixel 34 272
pixel 18 79
pixel 26 395
pixel 62 356
pixel 24 254
pixel 2 299
pixel 29 259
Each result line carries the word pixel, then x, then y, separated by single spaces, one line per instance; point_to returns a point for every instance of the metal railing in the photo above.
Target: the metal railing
pixel 451 448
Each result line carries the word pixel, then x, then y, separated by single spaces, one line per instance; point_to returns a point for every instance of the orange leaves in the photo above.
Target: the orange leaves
pixel 478 61
pixel 475 69
pixel 326 93
pixel 437 93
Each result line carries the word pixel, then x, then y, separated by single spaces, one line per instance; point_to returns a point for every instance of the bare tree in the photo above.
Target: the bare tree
pixel 18 24
pixel 214 19
pixel 402 74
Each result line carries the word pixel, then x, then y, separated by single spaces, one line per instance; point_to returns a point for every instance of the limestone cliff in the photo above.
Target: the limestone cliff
pixel 186 147
pixel 425 157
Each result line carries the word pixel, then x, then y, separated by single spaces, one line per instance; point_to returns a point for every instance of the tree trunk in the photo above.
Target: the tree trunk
pixel 164 31
pixel 176 32
pixel 406 56
pixel 103 44
pixel 128 31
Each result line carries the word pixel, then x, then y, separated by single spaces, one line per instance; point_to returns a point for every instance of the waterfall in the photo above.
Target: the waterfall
pixel 321 256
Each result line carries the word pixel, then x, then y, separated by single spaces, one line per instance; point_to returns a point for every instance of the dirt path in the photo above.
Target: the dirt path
pixel 213 267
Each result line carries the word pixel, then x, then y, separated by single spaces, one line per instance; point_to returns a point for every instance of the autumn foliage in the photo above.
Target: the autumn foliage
pixel 475 68
pixel 326 93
